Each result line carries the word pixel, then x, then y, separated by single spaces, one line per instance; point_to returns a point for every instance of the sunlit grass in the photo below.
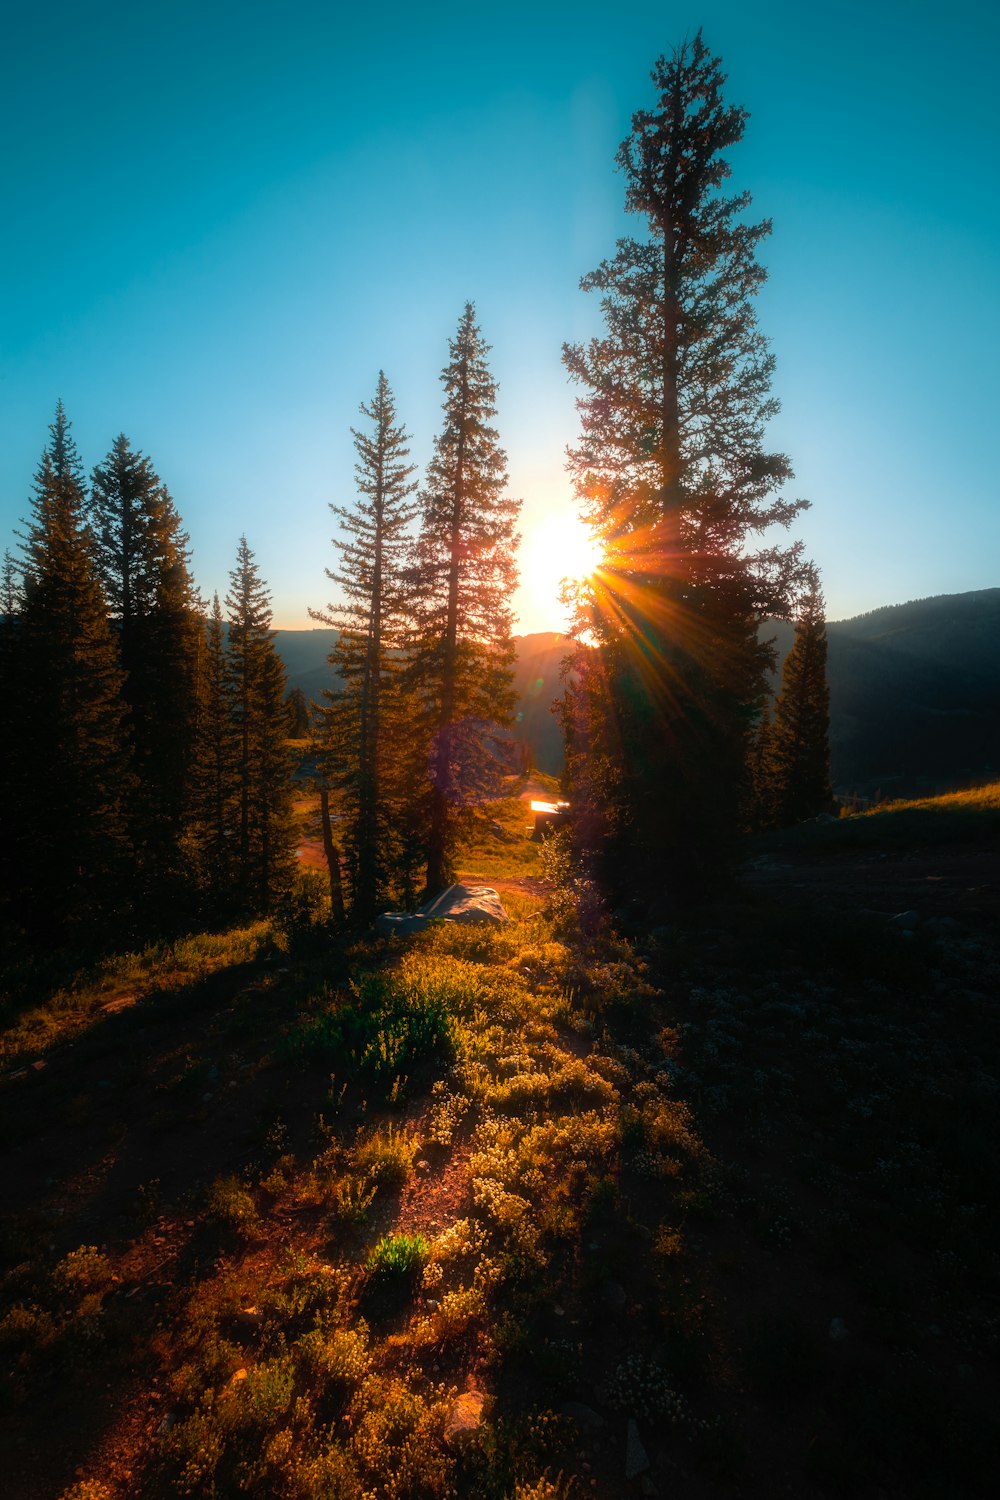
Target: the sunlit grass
pixel 69 1006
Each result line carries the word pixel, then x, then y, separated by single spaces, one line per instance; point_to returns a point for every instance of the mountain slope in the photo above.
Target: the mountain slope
pixel 914 691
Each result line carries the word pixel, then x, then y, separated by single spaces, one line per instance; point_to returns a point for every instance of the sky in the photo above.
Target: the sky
pixel 220 220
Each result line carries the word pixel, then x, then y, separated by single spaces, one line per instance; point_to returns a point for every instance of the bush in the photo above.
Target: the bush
pixel 392 1025
pixel 398 1257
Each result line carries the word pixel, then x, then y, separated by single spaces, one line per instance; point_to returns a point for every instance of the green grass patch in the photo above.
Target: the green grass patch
pixel 397 1257
pixel 392 1026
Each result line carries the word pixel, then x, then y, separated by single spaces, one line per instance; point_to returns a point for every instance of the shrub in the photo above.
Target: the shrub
pixel 83 1270
pixel 338 1359
pixel 397 1257
pixel 230 1205
pixel 394 1024
pixel 386 1156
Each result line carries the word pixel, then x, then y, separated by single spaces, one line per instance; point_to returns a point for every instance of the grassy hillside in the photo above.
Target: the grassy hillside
pixel 530 1211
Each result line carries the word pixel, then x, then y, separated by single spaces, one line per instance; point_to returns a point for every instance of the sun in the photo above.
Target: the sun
pixel 557 548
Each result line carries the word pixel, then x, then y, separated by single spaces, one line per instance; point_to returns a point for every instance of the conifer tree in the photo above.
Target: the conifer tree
pixel 798 749
pixel 673 474
pixel 143 562
pixel 360 743
pixel 10 734
pixel 465 576
pixel 298 714
pixel 72 776
pixel 255 678
pixel 213 790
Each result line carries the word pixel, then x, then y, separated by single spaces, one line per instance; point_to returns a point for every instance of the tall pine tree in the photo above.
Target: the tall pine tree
pixel 465 576
pixel 71 778
pixel 674 476
pixel 798 745
pixel 263 835
pixel 360 735
pixel 213 782
pixel 142 556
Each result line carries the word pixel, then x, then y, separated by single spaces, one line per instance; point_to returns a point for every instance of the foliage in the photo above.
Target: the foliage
pixel 397 1257
pixel 255 681
pixel 672 474
pixel 463 578
pixel 796 755
pixel 143 563
pixel 390 1027
pixel 64 807
pixel 361 724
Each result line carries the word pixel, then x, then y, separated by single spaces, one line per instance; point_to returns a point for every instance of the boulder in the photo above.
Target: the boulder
pixel 459 903
pixel 465 1416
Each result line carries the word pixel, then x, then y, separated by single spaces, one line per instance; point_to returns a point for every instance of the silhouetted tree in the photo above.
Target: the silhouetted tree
pixel 360 722
pixel 465 576
pixel 761 801
pixel 798 750
pixel 263 776
pixel 71 775
pixel 298 714
pixel 673 475
pixel 142 558
pixel 214 785
pixel 12 730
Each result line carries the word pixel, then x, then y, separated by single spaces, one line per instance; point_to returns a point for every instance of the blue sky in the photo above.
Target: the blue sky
pixel 221 219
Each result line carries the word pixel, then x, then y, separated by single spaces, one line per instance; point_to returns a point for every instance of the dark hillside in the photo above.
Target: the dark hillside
pixel 536 681
pixel 914 694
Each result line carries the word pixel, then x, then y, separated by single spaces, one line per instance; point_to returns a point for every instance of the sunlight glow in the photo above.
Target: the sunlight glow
pixel 558 549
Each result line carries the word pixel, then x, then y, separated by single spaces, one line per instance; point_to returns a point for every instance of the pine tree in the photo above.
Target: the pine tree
pixel 465 574
pixel 798 751
pixel 673 475
pixel 298 714
pixel 255 678
pixel 10 610
pixel 360 745
pixel 213 788
pixel 71 777
pixel 143 562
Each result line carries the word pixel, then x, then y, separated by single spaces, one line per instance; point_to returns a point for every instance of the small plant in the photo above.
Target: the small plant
pixel 397 1257
pixel 338 1359
pixel 386 1157
pixel 86 1489
pixel 394 1024
pixel 83 1270
pixel 352 1198
pixel 230 1205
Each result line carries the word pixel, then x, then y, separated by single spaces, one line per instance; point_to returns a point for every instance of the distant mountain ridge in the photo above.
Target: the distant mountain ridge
pixel 914 691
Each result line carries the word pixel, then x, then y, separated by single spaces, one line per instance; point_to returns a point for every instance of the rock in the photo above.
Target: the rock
pixel 165 1425
pixel 465 1417
pixel 636 1461
pixel 238 1376
pixel 585 1417
pixel 459 903
pixel 906 921
pixel 838 1330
